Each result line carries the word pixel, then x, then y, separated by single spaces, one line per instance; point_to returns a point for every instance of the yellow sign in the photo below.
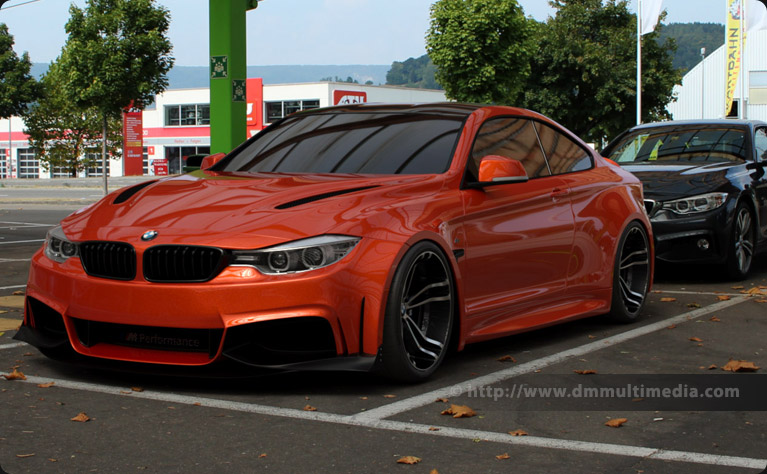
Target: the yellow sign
pixel 733 42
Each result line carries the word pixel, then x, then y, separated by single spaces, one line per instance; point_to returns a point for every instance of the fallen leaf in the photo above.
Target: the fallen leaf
pixel 434 471
pixel 363 398
pixel 2 334
pixel 755 292
pixel 693 305
pixel 696 339
pixel 761 301
pixel 408 460
pixel 667 299
pixel 15 375
pixel 671 327
pixel 25 455
pixel 518 433
pixel 723 298
pixel 137 389
pixel 262 455
pixel 739 287
pixel 592 337
pixel 503 456
pixel 81 418
pixel 441 400
pixel 433 428
pixel 714 319
pixel 585 372
pixel 18 293
pixel 390 396
pixel 740 366
pixel 507 358
pixel 616 422
pixel 46 385
pixel 712 367
pixel 309 408
pixel 459 411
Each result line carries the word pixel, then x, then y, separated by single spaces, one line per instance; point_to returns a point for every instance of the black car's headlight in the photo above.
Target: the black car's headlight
pixel 298 256
pixel 57 247
pixel 695 204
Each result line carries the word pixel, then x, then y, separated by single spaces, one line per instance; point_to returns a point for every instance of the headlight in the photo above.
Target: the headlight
pixel 298 256
pixel 695 204
pixel 57 247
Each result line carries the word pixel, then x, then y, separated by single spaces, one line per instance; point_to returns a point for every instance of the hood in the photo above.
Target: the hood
pixel 242 211
pixel 672 181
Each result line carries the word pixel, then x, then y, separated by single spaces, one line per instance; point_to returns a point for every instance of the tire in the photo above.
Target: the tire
pixel 740 248
pixel 419 315
pixel 631 274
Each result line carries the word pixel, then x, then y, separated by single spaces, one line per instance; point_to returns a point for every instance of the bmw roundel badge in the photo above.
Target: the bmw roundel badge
pixel 149 235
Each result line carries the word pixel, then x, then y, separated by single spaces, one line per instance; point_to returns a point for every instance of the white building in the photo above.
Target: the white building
pixel 702 92
pixel 177 125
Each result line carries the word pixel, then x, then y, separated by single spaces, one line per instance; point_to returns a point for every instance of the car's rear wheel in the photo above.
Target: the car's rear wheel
pixel 741 246
pixel 631 275
pixel 419 315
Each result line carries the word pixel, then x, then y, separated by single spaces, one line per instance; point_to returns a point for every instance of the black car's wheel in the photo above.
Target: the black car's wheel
pixel 631 275
pixel 419 315
pixel 742 243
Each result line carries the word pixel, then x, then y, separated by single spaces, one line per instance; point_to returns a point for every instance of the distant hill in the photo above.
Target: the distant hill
pixel 690 37
pixel 188 77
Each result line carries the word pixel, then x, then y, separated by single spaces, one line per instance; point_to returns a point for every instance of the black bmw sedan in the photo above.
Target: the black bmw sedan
pixel 705 188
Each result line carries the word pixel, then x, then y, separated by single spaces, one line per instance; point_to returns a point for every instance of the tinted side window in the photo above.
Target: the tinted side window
pixel 760 141
pixel 563 154
pixel 510 137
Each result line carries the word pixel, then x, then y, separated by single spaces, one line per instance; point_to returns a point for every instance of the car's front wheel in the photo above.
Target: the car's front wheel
pixel 419 315
pixel 742 243
pixel 631 274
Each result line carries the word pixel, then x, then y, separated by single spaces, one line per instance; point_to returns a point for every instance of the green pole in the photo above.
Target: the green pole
pixel 228 71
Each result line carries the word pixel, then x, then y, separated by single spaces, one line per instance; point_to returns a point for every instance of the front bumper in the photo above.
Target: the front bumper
pixel 324 319
pixel 700 238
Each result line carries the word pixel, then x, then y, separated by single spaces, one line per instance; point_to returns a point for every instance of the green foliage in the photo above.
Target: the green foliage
pixel 690 37
pixel 414 72
pixel 116 53
pixel 66 136
pixel 481 49
pixel 584 72
pixel 17 87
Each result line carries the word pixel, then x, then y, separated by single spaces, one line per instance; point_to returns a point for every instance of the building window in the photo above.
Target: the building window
pixel 757 93
pixel 29 165
pixel 187 115
pixel 3 166
pixel 145 162
pixel 282 108
pixel 97 169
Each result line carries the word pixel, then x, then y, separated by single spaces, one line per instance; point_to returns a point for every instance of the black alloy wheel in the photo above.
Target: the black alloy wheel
pixel 419 315
pixel 631 278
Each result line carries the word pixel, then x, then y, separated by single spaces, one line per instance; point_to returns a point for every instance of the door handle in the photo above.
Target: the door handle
pixel 559 193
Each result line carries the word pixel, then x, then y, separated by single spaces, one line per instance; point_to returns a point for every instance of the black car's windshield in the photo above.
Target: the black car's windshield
pixel 346 142
pixel 666 145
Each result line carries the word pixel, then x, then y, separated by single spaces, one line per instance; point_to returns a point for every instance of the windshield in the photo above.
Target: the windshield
pixel 667 145
pixel 348 142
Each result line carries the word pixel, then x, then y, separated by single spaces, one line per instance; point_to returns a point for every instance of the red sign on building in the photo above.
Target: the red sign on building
pixel 160 167
pixel 254 92
pixel 349 97
pixel 133 142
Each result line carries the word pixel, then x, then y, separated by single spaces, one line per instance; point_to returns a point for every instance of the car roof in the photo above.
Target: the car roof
pixel 701 123
pixel 440 108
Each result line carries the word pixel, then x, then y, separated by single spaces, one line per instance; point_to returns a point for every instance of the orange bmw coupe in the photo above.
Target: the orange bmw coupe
pixel 365 237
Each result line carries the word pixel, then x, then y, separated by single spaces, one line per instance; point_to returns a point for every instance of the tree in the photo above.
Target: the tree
pixel 414 72
pixel 584 73
pixel 117 55
pixel 690 37
pixel 66 136
pixel 17 87
pixel 481 48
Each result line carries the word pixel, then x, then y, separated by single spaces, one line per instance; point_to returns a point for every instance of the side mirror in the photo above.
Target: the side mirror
pixel 755 165
pixel 210 160
pixel 495 169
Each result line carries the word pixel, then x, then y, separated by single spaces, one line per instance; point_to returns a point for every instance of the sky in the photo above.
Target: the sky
pixel 288 32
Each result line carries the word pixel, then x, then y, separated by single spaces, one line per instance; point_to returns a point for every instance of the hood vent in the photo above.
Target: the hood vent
pixel 128 193
pixel 319 197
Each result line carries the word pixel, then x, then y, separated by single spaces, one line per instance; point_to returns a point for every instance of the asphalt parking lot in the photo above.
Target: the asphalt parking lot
pixel 180 421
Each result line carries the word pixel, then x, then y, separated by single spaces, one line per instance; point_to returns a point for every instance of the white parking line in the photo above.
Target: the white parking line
pixel 14 287
pixel 12 345
pixel 531 441
pixel 418 401
pixel 25 224
pixel 5 260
